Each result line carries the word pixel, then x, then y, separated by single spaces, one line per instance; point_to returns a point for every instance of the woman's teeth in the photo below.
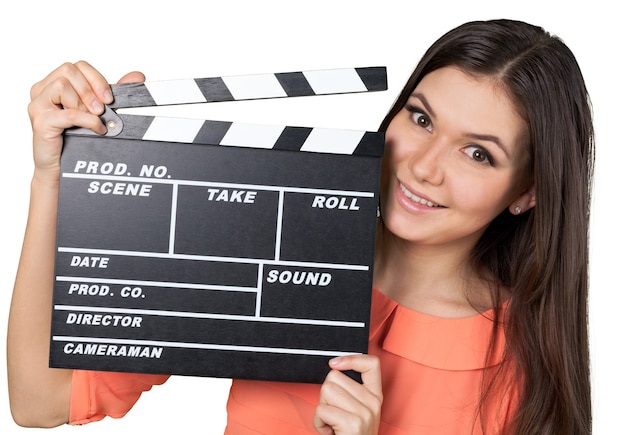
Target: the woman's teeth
pixel 416 198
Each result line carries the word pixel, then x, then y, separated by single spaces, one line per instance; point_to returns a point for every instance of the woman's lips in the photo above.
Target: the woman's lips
pixel 418 199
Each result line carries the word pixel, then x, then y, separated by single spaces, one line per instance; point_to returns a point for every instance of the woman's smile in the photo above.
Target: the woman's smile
pixel 418 199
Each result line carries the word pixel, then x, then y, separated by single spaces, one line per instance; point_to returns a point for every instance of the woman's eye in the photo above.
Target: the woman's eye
pixel 420 118
pixel 478 154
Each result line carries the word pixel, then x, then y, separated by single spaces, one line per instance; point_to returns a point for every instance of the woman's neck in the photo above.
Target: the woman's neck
pixel 436 280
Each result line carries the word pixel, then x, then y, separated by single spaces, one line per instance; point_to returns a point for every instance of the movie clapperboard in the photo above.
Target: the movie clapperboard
pixel 213 248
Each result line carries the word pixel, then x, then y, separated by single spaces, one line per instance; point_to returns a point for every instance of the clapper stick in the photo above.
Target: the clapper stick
pixel 243 87
pixel 250 87
pixel 214 248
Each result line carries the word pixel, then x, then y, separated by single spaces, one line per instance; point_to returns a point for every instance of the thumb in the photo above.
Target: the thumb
pixel 133 77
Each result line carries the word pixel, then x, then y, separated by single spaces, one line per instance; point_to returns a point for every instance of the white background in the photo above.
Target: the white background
pixel 185 39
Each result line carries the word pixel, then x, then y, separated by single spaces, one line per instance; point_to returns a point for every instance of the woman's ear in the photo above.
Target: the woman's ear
pixel 524 202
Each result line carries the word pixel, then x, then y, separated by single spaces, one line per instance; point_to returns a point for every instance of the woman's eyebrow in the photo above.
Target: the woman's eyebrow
pixel 425 102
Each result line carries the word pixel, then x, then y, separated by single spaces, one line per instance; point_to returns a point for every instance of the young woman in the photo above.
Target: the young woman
pixel 479 313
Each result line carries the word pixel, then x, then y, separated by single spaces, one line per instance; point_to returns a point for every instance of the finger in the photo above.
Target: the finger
pixel 329 419
pixel 73 113
pixel 133 77
pixel 337 391
pixel 51 122
pixel 79 79
pixel 367 365
pixel 68 118
pixel 343 392
pixel 325 418
pixel 320 426
pixel 347 406
pixel 97 83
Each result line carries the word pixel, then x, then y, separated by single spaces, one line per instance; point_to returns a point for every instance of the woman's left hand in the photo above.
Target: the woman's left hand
pixel 347 407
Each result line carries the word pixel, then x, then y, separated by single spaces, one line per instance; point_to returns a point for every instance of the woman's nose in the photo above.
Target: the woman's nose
pixel 427 164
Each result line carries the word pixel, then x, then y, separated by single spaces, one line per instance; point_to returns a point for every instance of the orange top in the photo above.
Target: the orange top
pixel 433 369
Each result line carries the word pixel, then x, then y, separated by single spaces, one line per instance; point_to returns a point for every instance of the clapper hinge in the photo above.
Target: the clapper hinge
pixel 110 119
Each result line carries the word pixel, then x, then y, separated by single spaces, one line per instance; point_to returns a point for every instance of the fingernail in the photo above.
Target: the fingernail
pixel 108 96
pixel 335 361
pixel 97 106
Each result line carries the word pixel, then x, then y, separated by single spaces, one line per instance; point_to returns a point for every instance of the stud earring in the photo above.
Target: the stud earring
pixel 518 209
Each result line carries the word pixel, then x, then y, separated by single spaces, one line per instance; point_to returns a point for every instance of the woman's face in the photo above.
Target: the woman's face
pixel 455 158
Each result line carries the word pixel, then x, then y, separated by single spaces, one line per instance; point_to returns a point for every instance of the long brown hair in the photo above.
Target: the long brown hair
pixel 541 255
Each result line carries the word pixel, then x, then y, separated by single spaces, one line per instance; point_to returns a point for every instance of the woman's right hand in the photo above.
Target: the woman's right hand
pixel 72 95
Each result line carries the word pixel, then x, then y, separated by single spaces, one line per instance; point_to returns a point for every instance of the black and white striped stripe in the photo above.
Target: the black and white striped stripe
pixel 198 131
pixel 244 87
pixel 248 87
